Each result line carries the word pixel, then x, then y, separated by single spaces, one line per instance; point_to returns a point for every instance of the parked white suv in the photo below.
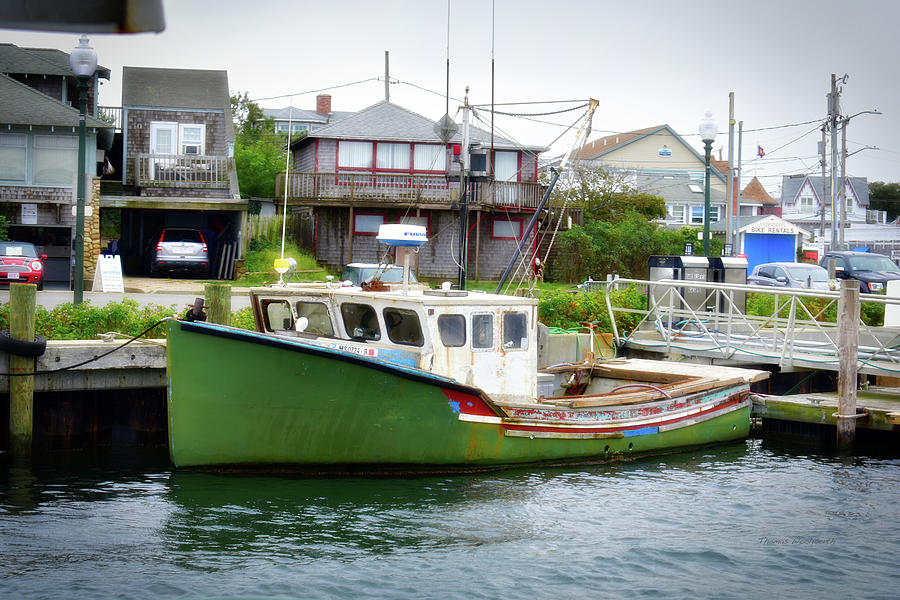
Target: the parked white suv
pixel 180 250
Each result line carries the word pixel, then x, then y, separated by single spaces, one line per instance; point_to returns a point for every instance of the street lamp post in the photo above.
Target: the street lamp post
pixel 83 60
pixel 708 130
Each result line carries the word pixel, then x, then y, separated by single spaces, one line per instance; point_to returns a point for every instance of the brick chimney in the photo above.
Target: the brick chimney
pixel 323 104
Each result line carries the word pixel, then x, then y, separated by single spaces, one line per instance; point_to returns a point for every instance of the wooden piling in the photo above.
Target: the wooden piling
pixel 21 389
pixel 218 303
pixel 848 351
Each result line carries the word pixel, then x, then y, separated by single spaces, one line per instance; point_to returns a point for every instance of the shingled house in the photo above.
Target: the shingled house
pixel 39 154
pixel 386 164
pixel 175 166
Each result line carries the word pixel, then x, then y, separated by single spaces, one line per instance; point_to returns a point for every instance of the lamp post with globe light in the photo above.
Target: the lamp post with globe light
pixel 83 60
pixel 708 130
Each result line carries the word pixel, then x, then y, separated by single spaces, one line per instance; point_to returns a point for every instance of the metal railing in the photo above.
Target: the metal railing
pixel 714 324
pixel 403 188
pixel 182 170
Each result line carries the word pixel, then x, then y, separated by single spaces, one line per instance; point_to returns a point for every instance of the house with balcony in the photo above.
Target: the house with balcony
pixel 174 165
pixel 386 164
pixel 656 160
pixel 39 155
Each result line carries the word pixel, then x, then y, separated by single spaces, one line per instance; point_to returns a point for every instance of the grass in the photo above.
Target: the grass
pixel 260 260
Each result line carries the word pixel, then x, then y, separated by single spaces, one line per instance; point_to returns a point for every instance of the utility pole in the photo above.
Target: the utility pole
pixel 737 215
pixel 823 162
pixel 463 196
pixel 834 110
pixel 729 196
pixel 843 191
pixel 387 77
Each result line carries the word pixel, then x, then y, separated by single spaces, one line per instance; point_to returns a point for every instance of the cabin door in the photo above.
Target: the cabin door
pixel 163 139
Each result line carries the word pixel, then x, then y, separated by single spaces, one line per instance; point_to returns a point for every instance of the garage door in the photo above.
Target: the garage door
pixel 769 247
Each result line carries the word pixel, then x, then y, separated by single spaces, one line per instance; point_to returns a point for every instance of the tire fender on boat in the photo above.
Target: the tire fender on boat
pixel 22 347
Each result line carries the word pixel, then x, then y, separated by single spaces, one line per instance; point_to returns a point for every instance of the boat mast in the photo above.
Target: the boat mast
pixel 580 139
pixel 463 195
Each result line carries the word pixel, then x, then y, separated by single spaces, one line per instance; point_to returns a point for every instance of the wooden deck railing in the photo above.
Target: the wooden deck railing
pixel 182 170
pixel 395 188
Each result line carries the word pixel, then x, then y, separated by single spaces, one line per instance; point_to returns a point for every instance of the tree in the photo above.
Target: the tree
pixel 886 197
pixel 259 152
pixel 606 196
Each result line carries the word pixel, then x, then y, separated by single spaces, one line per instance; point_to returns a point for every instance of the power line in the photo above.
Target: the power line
pixel 325 89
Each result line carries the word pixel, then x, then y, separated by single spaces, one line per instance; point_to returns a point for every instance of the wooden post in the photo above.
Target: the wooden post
pixel 350 228
pixel 848 350
pixel 21 389
pixel 218 303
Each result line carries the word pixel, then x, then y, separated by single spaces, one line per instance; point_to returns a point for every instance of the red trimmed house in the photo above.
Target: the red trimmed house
pixel 386 164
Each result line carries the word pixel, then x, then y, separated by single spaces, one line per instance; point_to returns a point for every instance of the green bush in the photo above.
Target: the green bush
pixel 567 310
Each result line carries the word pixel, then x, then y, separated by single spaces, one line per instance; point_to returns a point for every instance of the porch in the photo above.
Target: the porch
pixel 183 170
pixel 343 189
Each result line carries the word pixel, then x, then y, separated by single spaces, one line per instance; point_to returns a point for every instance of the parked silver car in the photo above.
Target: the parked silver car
pixel 180 250
pixel 789 275
pixel 358 273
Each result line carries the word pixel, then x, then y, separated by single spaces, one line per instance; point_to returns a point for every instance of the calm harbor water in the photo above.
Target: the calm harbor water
pixel 737 521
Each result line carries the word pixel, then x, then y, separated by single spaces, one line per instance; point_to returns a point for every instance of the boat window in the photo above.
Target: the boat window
pixel 403 326
pixel 277 315
pixel 453 330
pixel 515 332
pixel 318 321
pixel 360 321
pixel 483 331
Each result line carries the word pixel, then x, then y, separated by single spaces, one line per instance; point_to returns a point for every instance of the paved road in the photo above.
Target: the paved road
pixel 49 299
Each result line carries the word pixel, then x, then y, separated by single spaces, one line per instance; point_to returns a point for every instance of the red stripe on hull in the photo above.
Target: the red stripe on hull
pixel 469 404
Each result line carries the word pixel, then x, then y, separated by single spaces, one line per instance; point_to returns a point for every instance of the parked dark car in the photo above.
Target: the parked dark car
pixel 180 250
pixel 789 275
pixel 872 271
pixel 357 273
pixel 20 263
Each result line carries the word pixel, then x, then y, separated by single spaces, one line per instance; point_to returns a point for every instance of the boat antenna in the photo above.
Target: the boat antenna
pixel 492 88
pixel 447 94
pixel 580 138
pixel 281 265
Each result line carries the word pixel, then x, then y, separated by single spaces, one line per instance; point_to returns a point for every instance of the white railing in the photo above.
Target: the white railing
pixel 182 170
pixel 110 114
pixel 710 320
pixel 380 187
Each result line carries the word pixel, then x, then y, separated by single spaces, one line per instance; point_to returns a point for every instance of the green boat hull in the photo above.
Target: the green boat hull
pixel 238 400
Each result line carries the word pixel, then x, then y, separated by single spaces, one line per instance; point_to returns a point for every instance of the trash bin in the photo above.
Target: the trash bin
pixel 730 269
pixel 694 268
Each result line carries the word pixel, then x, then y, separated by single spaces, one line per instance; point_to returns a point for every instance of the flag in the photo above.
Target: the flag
pixel 759 151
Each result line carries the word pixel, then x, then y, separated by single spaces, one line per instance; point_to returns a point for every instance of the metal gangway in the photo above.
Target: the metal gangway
pixel 686 319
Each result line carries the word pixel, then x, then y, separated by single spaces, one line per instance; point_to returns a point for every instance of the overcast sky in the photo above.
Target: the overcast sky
pixel 648 62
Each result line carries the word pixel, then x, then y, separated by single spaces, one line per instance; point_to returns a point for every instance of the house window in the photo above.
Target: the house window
pixel 714 212
pixel 506 166
pixel 506 229
pixel 55 158
pixel 849 205
pixel 696 215
pixel 354 155
pixel 695 188
pixel 367 224
pixel 806 203
pixel 676 212
pixel 392 156
pixel 12 156
pixel 429 157
pixel 192 139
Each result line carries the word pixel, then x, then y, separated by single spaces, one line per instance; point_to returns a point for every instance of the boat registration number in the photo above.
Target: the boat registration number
pixel 358 350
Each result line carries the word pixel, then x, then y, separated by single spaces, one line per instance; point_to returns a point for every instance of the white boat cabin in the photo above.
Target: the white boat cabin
pixel 485 340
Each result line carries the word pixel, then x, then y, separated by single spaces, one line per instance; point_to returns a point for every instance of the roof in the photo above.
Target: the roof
pixel 755 192
pixel 23 105
pixel 390 122
pixel 178 88
pixel 175 88
pixel 603 146
pixel 39 61
pixel 792 184
pixel 675 187
pixel 304 116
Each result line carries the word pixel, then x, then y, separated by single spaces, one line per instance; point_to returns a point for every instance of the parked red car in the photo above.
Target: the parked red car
pixel 20 263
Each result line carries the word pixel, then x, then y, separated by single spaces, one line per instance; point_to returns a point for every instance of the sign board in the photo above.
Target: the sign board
pixel 688 249
pixel 895 254
pixel 108 275
pixel 29 214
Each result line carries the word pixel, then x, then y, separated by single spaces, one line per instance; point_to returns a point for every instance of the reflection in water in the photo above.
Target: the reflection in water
pixel 714 522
